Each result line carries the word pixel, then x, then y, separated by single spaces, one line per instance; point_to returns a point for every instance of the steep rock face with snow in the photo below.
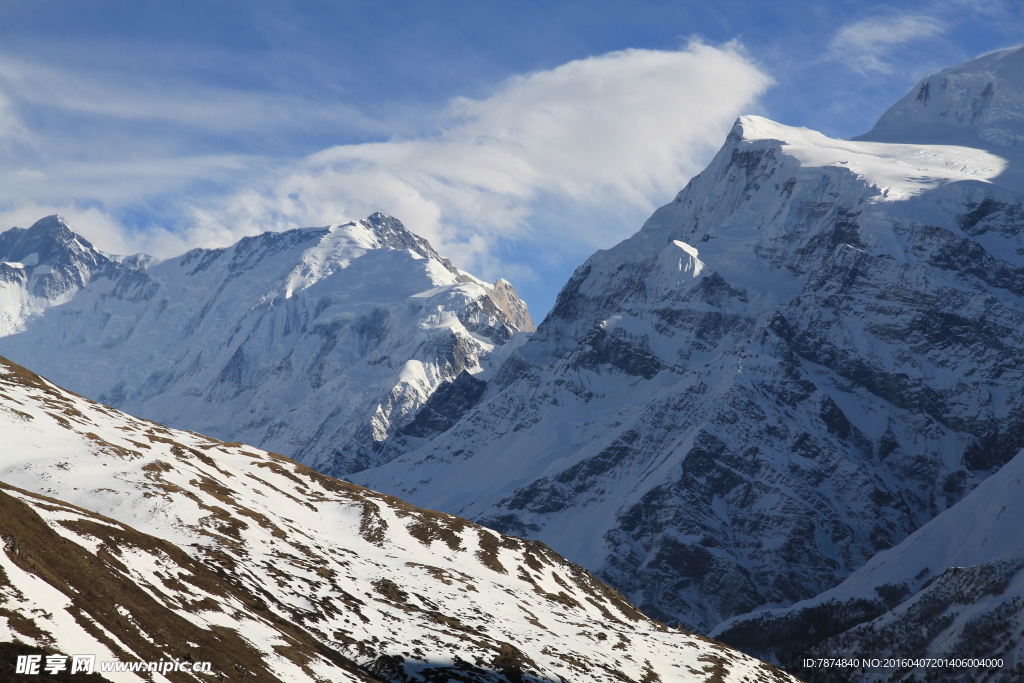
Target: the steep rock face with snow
pixel 808 354
pixel 952 589
pixel 318 342
pixel 45 266
pixel 133 542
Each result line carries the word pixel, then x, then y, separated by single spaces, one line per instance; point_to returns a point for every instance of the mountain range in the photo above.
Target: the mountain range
pixel 770 414
pixel 320 341
pixel 808 354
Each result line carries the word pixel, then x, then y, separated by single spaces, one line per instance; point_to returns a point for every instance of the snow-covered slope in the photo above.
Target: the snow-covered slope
pixel 982 101
pixel 978 104
pixel 130 541
pixel 953 588
pixel 317 343
pixel 808 354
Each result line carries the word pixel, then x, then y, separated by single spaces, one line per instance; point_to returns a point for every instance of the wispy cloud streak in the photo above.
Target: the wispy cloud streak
pixel 867 43
pixel 502 183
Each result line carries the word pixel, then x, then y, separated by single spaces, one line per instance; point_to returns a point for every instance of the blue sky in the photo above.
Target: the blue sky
pixel 517 136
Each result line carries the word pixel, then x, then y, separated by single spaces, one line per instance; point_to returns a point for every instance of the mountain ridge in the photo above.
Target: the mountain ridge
pixel 348 328
pixel 792 366
pixel 953 588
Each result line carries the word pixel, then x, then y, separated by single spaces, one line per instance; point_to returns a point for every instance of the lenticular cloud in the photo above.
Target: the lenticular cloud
pixel 624 127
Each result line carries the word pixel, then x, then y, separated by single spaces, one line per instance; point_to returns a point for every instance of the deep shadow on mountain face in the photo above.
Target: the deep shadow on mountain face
pixel 962 613
pixel 395 669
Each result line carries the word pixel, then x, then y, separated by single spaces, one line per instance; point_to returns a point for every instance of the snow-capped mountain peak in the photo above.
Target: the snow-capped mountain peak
pixel 898 169
pixel 807 354
pixel 316 342
pixel 979 102
pixel 48 242
pixel 43 266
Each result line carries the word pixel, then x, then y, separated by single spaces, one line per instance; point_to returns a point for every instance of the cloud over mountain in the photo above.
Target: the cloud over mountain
pixel 623 127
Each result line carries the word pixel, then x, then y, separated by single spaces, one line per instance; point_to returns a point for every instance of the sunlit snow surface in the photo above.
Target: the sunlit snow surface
pixel 899 171
pixel 364 574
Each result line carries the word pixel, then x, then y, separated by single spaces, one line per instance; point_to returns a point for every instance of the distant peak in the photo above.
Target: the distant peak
pixel 382 223
pixel 51 222
pixel 981 100
pixel 392 233
pixel 379 218
pixel 56 229
pixel 47 238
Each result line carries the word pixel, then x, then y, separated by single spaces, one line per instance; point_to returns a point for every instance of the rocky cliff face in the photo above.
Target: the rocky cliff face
pixel 319 342
pixel 809 353
pixel 952 589
pixel 136 543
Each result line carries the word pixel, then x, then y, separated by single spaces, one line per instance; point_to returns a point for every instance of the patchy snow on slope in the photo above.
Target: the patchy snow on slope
pixel 294 574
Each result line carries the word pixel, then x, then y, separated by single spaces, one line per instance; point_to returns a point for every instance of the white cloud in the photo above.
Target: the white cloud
pixel 865 44
pixel 90 193
pixel 119 181
pixel 622 129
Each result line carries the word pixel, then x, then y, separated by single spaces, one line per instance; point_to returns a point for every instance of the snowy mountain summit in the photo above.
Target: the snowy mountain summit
pixel 809 353
pixel 317 341
pixel 980 101
pixel 979 104
pixel 44 266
